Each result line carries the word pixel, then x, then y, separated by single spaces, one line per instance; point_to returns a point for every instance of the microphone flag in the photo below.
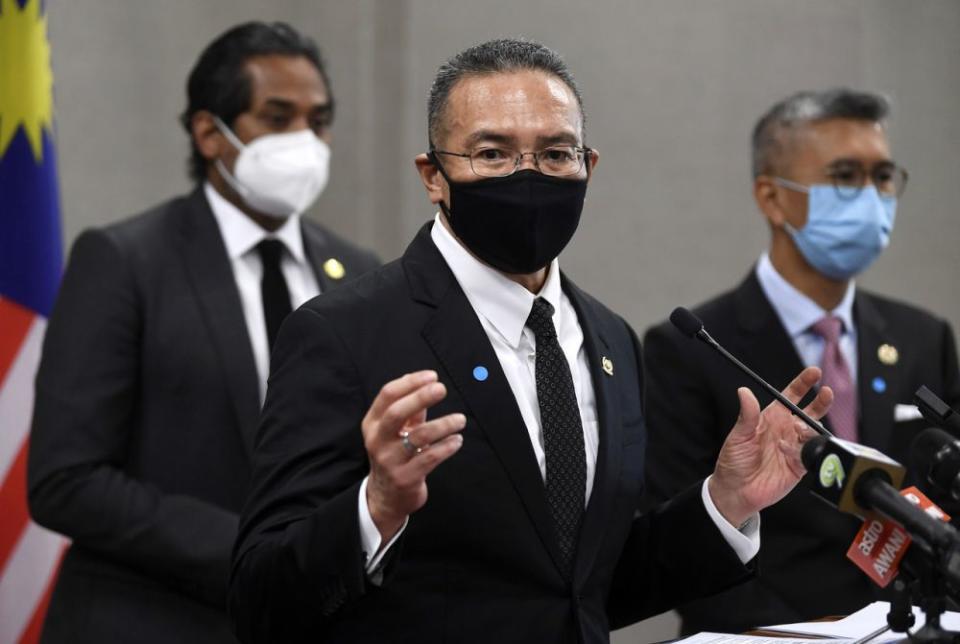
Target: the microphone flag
pixel 881 543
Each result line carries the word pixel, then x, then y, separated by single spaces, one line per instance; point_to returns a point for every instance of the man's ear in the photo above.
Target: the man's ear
pixel 430 175
pixel 592 159
pixel 769 198
pixel 207 136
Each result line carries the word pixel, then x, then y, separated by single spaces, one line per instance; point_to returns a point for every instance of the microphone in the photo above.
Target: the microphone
pixel 936 411
pixel 860 480
pixel 881 544
pixel 690 325
pixel 937 457
pixel 842 469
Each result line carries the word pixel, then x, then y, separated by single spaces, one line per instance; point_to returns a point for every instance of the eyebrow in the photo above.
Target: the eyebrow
pixel 564 138
pixel 848 161
pixel 488 135
pixel 284 104
pixel 504 139
pixel 279 102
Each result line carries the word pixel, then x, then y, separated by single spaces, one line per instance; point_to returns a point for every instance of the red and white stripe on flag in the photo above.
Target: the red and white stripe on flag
pixel 29 554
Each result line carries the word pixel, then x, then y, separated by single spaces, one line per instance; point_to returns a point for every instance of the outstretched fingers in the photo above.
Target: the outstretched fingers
pixel 803 383
pixel 820 405
pixel 397 389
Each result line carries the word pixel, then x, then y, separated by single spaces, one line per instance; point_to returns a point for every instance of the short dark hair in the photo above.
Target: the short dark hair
pixel 493 56
pixel 219 83
pixel 768 139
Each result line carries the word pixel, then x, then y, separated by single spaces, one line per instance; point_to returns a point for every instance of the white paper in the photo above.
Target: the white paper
pixel 865 621
pixel 726 638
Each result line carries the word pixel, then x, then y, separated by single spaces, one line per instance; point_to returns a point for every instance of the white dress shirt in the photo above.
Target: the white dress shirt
pixel 503 306
pixel 241 236
pixel 798 313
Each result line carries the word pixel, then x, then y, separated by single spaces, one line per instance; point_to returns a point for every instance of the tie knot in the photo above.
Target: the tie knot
pixel 271 250
pixel 828 328
pixel 541 319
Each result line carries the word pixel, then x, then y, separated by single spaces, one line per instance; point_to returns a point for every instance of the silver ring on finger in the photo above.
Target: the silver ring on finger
pixel 408 444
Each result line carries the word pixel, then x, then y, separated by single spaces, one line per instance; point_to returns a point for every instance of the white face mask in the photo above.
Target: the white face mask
pixel 278 174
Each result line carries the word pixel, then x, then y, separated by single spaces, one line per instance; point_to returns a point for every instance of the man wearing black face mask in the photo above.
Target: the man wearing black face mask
pixel 473 348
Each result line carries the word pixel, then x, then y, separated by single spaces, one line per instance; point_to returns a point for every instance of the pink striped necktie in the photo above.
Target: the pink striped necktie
pixel 836 375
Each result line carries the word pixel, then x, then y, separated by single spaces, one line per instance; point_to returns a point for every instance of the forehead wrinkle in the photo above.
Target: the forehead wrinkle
pixel 285 78
pixel 512 102
pixel 814 146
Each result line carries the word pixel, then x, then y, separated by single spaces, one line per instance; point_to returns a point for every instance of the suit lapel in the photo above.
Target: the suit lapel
pixel 458 340
pixel 214 286
pixel 765 345
pixel 876 382
pixel 317 250
pixel 605 478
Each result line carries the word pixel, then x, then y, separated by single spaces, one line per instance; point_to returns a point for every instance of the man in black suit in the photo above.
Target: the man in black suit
pixel 828 187
pixel 156 356
pixel 473 348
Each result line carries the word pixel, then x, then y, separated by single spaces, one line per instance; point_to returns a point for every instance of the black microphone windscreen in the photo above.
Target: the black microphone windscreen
pixel 935 456
pixel 928 442
pixel 688 323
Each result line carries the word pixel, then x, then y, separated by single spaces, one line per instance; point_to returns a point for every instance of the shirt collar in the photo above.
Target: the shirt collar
pixel 503 302
pixel 241 234
pixel 797 311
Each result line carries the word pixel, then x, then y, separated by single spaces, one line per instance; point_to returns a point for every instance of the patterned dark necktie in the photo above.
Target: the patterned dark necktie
pixel 273 287
pixel 562 432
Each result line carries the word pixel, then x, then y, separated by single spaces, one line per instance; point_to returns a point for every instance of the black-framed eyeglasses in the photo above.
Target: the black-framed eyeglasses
pixel 849 179
pixel 555 161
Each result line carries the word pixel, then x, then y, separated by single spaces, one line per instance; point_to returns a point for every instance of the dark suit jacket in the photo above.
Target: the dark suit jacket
pixel 478 563
pixel 692 404
pixel 146 407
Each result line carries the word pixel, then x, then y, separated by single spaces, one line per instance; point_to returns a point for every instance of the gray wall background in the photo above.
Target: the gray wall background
pixel 672 88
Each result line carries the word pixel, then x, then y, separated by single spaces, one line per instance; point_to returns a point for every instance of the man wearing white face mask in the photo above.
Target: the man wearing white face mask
pixel 827 185
pixel 156 357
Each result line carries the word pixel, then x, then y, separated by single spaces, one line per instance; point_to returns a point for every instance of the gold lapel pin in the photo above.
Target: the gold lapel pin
pixel 607 365
pixel 888 354
pixel 334 269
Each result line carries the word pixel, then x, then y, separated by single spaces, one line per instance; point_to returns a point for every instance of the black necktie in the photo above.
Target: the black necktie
pixel 562 432
pixel 273 287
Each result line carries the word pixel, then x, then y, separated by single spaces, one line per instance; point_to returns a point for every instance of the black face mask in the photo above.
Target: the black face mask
pixel 518 223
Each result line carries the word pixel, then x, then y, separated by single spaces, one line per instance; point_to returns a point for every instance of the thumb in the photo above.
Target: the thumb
pixel 749 417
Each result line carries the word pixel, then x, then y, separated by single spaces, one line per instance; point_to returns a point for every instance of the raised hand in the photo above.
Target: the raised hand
pixel 404 447
pixel 759 462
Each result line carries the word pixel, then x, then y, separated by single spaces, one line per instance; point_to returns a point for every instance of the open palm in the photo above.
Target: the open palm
pixel 759 462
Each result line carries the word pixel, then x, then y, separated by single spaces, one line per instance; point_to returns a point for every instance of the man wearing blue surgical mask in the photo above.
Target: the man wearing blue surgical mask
pixel 827 184
pixel 156 357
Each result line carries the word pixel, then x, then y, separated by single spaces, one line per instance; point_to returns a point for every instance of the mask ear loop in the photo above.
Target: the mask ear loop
pixel 239 188
pixel 435 160
pixel 227 132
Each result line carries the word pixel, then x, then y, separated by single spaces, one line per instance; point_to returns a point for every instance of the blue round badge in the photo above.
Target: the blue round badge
pixel 480 373
pixel 879 385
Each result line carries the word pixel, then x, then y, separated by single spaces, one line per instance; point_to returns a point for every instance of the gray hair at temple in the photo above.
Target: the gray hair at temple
pixel 769 140
pixel 491 57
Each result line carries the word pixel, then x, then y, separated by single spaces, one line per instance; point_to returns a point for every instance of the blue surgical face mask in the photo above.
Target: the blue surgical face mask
pixel 842 237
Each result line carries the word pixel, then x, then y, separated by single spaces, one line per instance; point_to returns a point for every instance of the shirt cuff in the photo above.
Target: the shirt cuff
pixel 370 537
pixel 744 540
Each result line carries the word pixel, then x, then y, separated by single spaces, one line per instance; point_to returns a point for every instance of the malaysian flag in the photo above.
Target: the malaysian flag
pixel 30 264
